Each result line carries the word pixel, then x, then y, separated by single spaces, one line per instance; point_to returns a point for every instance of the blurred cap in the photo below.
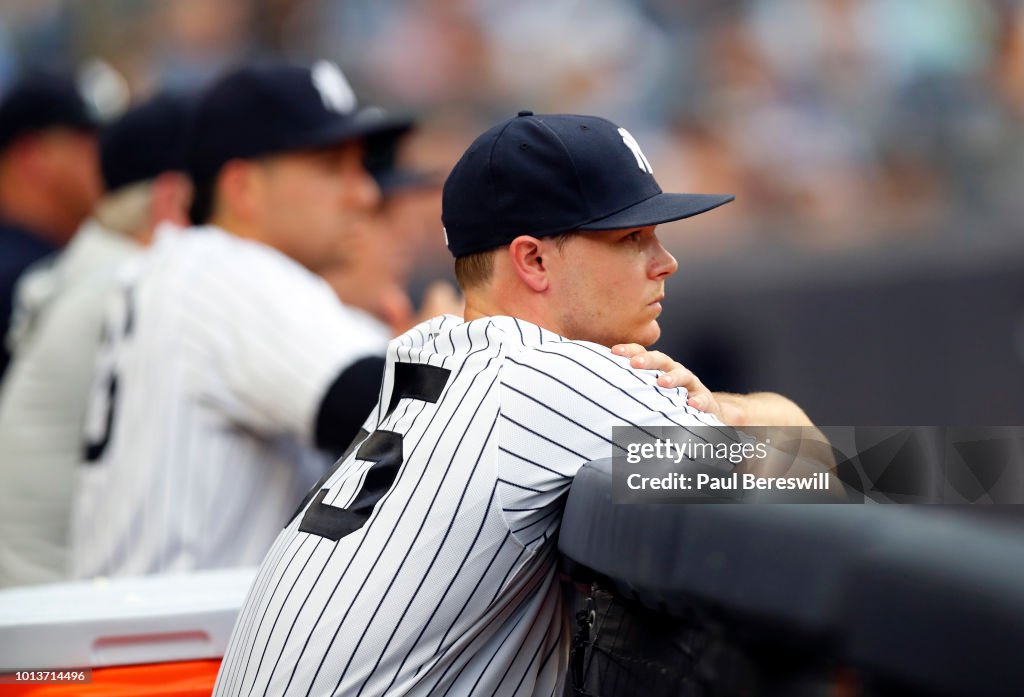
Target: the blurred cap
pixel 148 140
pixel 544 175
pixel 271 108
pixel 381 161
pixel 43 100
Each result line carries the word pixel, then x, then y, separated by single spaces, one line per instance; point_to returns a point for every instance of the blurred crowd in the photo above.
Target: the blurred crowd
pixel 838 123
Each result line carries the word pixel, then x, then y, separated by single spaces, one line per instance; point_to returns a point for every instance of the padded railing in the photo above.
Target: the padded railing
pixel 908 599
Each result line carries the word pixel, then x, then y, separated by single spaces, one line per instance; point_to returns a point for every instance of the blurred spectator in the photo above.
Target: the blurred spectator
pixel 49 176
pixel 42 403
pixel 841 122
pixel 41 33
pixel 199 39
pixel 577 56
pixel 999 164
pixel 428 54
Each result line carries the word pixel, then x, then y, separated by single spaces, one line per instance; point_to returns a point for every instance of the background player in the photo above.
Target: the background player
pixel 227 358
pixel 378 252
pixel 49 176
pixel 60 312
pixel 426 563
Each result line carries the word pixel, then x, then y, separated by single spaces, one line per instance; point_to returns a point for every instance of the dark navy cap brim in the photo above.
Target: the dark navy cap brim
pixel 660 208
pixel 353 128
pixel 340 131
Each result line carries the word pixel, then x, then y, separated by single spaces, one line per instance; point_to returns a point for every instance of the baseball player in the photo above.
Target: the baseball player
pixel 425 563
pixel 49 176
pixel 60 312
pixel 228 365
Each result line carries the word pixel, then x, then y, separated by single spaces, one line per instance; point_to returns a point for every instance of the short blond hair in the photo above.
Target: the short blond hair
pixel 474 270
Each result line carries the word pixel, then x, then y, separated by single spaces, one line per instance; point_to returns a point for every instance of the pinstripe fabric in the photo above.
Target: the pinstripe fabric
pixel 222 349
pixel 449 586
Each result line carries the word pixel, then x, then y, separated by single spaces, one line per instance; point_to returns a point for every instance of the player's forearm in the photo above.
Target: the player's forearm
pixel 790 430
pixel 761 409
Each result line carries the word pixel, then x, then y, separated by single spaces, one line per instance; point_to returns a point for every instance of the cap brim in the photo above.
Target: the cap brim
pixel 660 208
pixel 364 124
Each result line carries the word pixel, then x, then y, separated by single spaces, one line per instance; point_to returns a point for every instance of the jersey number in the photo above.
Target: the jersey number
pixel 384 448
pixel 103 403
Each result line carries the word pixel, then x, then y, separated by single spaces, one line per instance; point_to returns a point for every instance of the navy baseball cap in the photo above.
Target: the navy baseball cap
pixel 272 108
pixel 546 174
pixel 42 100
pixel 148 140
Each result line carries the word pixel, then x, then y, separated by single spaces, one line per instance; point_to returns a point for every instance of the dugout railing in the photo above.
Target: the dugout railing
pixel 792 599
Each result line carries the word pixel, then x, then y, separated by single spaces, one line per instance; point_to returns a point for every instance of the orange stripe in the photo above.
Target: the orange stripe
pixel 185 679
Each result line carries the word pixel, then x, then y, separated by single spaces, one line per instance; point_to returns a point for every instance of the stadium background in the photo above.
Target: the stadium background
pixel 871 265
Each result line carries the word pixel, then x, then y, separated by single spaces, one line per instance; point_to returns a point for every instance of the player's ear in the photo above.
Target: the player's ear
pixel 527 256
pixel 237 189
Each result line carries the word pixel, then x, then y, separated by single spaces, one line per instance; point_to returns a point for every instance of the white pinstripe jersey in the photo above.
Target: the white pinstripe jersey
pixel 218 351
pixel 60 308
pixel 425 564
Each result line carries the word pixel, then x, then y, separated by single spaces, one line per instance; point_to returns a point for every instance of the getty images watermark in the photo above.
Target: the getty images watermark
pixel 695 449
pixel 709 464
pixel 837 464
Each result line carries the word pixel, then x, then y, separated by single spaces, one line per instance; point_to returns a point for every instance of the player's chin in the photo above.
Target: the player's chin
pixel 645 334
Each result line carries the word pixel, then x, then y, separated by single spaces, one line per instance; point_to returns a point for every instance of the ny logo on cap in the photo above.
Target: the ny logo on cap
pixel 641 159
pixel 334 89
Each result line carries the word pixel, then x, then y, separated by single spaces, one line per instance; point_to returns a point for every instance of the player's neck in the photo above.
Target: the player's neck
pixel 475 309
pixel 529 308
pixel 240 228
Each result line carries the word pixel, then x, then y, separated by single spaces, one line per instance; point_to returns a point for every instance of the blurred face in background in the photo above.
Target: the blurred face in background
pixel 305 202
pixel 377 255
pixel 64 164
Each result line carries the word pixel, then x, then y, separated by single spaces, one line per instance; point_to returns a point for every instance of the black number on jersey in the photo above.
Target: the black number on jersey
pixel 94 448
pixel 384 448
pixel 105 386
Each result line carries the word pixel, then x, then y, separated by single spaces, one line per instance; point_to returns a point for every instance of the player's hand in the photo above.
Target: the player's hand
pixel 761 409
pixel 675 375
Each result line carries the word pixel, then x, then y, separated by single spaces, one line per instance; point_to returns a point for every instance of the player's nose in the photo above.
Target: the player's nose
pixel 663 264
